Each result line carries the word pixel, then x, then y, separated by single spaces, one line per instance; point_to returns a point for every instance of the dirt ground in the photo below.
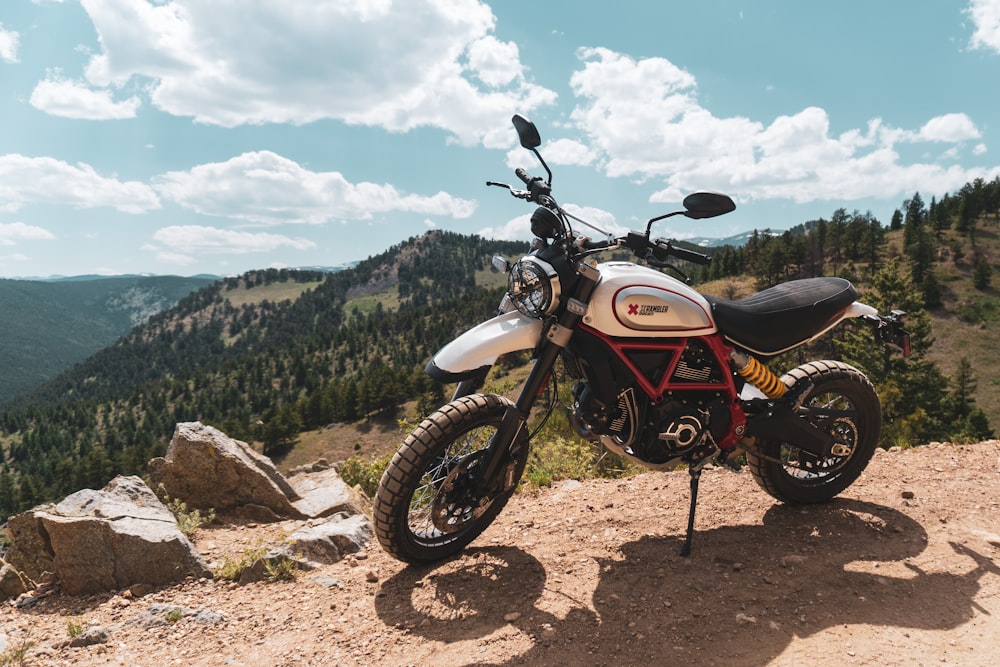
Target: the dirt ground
pixel 903 569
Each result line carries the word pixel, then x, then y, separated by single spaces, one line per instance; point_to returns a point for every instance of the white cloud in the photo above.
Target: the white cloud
pixel 12 232
pixel 518 229
pixel 986 17
pixel 74 99
pixel 266 188
pixel 393 65
pixel 559 151
pixel 952 127
pixel 197 239
pixel 25 180
pixel 9 42
pixel 644 121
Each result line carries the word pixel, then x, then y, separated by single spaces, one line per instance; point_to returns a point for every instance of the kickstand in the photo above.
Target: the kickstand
pixel 695 471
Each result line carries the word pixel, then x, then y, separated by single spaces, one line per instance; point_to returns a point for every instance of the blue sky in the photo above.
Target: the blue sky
pixel 218 136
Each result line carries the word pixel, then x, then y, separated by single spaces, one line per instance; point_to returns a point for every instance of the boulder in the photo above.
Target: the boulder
pixel 207 469
pixel 323 493
pixel 329 541
pixel 96 541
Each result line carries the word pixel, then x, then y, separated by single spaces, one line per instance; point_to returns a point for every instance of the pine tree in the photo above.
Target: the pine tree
pixel 911 389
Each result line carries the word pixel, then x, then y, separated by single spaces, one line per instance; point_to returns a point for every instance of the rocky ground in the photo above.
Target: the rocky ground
pixel 903 569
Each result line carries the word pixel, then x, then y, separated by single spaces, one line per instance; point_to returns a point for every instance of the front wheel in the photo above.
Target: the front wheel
pixel 432 501
pixel 841 402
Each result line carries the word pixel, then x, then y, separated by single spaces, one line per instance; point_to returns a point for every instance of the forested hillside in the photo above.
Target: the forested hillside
pixel 271 355
pixel 47 326
pixel 262 356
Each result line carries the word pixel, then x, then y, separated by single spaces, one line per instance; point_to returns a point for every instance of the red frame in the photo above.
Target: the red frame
pixel 656 393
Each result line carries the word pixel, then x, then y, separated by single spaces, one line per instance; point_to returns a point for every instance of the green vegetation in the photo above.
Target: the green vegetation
pixel 16 656
pixel 188 520
pixel 74 628
pixel 364 471
pixel 47 326
pixel 276 568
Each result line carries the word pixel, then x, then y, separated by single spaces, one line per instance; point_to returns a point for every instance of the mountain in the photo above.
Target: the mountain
pixel 263 356
pixel 48 326
pixel 736 240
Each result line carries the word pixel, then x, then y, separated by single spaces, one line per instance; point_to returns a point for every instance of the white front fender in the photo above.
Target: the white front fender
pixel 479 347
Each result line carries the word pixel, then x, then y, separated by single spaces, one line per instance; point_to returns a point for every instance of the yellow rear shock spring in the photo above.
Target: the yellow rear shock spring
pixel 758 375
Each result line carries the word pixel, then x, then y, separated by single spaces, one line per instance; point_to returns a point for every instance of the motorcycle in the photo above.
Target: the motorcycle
pixel 665 376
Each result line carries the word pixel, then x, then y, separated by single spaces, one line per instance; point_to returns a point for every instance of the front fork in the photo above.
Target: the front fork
pixel 512 432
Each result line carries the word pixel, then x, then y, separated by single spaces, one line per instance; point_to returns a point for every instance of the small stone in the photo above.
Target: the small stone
pixel 792 559
pixel 512 616
pixel 743 619
pixel 371 576
pixel 92 635
pixel 909 495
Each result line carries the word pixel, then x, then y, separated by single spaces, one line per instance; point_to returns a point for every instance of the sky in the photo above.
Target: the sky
pixel 218 136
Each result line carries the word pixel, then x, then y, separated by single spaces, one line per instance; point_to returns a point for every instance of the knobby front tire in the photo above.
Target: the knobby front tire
pixel 841 402
pixel 428 506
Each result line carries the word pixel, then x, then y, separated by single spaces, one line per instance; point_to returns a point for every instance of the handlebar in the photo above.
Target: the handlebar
pixel 684 253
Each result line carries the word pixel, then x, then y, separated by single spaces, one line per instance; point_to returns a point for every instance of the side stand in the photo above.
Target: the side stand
pixel 695 471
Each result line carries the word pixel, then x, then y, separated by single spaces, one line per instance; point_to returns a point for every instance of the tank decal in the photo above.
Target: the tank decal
pixel 651 308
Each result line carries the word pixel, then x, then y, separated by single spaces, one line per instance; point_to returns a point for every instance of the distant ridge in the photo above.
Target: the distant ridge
pixel 49 325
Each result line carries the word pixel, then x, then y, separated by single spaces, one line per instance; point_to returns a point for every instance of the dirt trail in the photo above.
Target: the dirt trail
pixel 904 569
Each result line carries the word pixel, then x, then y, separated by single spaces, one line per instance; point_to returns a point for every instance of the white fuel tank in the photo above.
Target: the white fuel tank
pixel 637 302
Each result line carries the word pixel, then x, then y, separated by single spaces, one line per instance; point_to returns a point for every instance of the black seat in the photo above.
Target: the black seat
pixel 781 317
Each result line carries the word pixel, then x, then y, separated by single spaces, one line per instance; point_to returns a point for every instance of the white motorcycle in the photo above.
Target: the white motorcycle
pixel 664 376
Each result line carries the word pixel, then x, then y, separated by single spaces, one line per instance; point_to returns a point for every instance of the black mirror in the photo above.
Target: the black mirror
pixel 701 205
pixel 526 132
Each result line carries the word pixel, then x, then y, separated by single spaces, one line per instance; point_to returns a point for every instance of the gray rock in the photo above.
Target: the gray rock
pixel 12 582
pixel 330 541
pixel 207 469
pixel 105 540
pixel 323 493
pixel 91 636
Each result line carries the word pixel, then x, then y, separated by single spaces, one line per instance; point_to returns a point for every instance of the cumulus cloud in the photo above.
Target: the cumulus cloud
pixel 644 120
pixel 75 99
pixel 371 62
pixel 952 127
pixel 198 239
pixel 13 232
pixel 266 188
pixel 25 180
pixel 9 42
pixel 985 16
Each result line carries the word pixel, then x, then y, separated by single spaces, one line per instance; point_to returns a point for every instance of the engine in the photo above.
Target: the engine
pixel 684 427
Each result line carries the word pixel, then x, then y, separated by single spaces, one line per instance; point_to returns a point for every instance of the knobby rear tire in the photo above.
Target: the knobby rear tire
pixel 427 467
pixel 836 386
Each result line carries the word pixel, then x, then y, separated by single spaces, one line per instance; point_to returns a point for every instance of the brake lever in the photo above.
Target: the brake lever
pixel 520 194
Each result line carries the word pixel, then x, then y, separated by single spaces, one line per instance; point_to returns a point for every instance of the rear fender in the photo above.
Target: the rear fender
pixel 476 350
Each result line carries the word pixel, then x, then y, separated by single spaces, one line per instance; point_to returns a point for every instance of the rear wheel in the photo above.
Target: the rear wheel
pixel 432 501
pixel 841 402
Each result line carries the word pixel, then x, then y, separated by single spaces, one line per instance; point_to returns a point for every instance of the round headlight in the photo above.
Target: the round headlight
pixel 533 286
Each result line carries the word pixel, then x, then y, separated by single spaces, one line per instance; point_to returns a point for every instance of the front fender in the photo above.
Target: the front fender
pixel 477 349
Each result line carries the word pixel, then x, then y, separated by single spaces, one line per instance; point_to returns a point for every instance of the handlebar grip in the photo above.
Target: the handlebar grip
pixel 596 245
pixel 690 255
pixel 523 175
